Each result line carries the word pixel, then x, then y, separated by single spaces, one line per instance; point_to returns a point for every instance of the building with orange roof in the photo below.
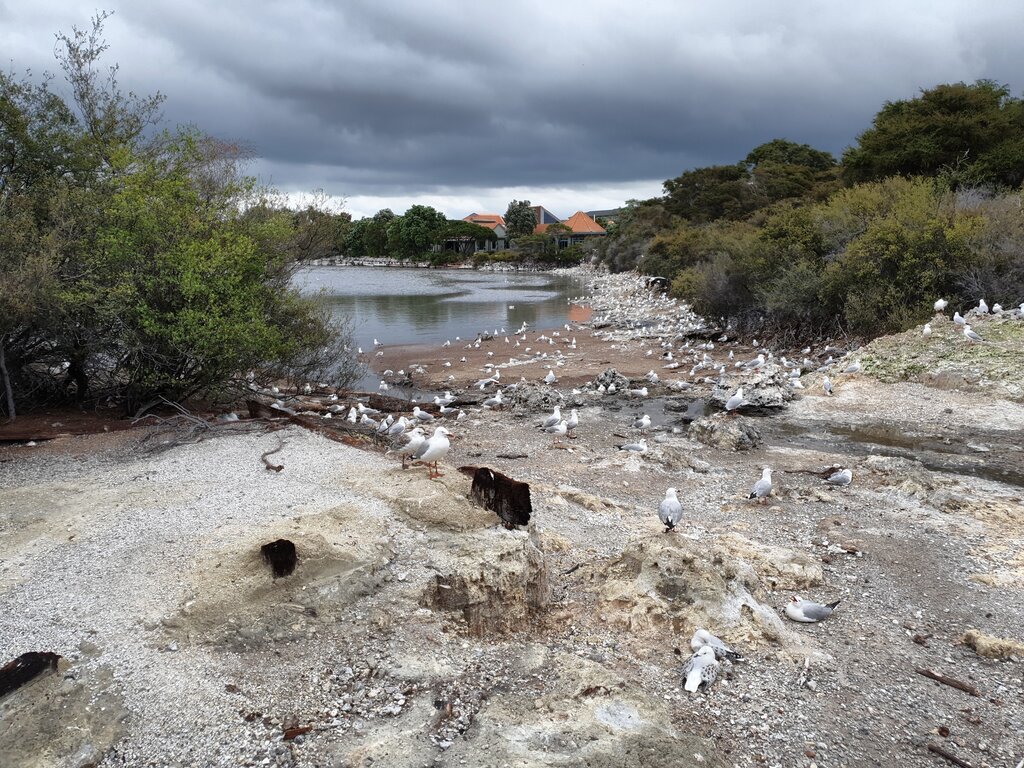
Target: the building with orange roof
pixel 580 226
pixel 494 222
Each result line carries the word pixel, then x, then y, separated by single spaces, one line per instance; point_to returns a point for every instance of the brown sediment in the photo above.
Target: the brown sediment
pixel 591 356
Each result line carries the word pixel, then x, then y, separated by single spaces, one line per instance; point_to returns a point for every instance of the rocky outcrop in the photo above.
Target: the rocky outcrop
pixel 495 583
pixel 533 399
pixel 672 584
pixel 727 433
pixel 764 387
pixel 609 377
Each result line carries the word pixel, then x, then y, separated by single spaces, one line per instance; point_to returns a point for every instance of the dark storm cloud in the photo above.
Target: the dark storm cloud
pixel 380 98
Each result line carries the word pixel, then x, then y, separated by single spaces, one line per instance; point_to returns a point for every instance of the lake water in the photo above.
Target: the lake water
pixel 427 306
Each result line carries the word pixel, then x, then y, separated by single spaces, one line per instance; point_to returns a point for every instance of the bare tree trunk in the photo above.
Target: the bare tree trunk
pixel 8 390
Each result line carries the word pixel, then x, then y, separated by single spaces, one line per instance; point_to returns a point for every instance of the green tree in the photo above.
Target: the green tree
pixel 416 231
pixel 463 237
pixel 520 219
pixel 972 134
pixel 783 152
pixel 712 193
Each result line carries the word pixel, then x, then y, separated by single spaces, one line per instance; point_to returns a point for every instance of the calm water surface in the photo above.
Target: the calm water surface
pixel 426 306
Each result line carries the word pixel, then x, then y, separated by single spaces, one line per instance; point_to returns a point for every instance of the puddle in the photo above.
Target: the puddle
pixel 934 452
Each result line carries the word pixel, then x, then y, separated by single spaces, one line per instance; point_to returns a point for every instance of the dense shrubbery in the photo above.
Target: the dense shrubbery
pixel 132 268
pixel 776 242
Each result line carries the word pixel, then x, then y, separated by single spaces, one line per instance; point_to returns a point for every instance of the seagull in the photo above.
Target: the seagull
pixel 550 378
pixel 702 638
pixel 433 450
pixel 494 402
pixel 670 511
pixel 351 415
pixel 927 330
pixel 852 368
pixel 826 384
pixel 735 401
pixel 557 430
pixel 383 387
pixel 411 445
pixel 940 305
pixel 997 308
pixel 640 446
pixel 643 423
pixel 701 669
pixel 762 488
pixel 554 418
pixel 808 611
pixel 573 421
pixel 842 477
pixel 421 415
pixel 958 320
pixel 642 392
pixel 971 335
pixel 982 306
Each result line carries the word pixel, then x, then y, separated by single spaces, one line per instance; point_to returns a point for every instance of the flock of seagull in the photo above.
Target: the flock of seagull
pixel 621 310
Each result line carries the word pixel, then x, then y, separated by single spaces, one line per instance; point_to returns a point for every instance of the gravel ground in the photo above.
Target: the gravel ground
pixel 142 569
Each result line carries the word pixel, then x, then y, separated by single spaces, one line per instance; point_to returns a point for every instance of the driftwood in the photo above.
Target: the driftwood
pixel 511 456
pixel 950 681
pixel 948 755
pixel 273 467
pixel 509 498
pixel 25 669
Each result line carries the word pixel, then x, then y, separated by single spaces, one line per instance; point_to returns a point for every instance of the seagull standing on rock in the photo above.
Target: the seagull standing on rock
pixel 970 335
pixel 927 330
pixel 422 415
pixel 958 319
pixel 826 385
pixel 670 511
pixel 433 450
pixel 550 378
pixel 573 421
pixel 643 423
pixel 808 611
pixel 701 670
pixel 940 305
pixel 735 401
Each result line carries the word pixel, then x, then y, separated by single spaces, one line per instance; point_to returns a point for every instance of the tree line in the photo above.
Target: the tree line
pixel 926 204
pixel 138 262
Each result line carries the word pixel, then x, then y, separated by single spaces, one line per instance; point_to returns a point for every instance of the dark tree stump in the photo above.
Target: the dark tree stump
pixel 281 556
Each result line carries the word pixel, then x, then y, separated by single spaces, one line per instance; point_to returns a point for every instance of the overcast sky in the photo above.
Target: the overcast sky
pixel 572 104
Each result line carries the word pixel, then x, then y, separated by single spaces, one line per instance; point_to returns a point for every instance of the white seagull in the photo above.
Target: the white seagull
pixel 826 385
pixel 940 305
pixel 554 418
pixel 970 335
pixel 701 670
pixel 808 611
pixel 670 511
pixel 550 378
pixel 643 423
pixel 927 329
pixel 762 488
pixel 958 319
pixel 413 442
pixel 702 638
pixel 735 401
pixel 433 450
pixel 422 415
pixel 842 477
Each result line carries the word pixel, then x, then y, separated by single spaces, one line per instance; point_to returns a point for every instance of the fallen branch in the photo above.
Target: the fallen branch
pixel 511 456
pixel 948 755
pixel 26 668
pixel 273 467
pixel 951 682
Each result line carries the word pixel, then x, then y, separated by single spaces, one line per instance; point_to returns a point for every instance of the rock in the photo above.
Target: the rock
pixel 672 584
pixel 992 647
pixel 726 433
pixel 765 387
pixel 530 399
pixel 496 583
pixel 611 376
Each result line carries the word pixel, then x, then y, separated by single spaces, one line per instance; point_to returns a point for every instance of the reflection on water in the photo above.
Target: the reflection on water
pixel 413 306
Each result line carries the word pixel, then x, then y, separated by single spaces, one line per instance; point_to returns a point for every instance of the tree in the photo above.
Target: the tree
pixel 465 235
pixel 712 193
pixel 972 134
pixel 135 266
pixel 783 152
pixel 414 232
pixel 520 219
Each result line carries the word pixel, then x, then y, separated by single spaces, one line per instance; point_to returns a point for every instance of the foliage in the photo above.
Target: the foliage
pixel 971 134
pixel 414 232
pixel 783 152
pixel 132 267
pixel 463 237
pixel 520 219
